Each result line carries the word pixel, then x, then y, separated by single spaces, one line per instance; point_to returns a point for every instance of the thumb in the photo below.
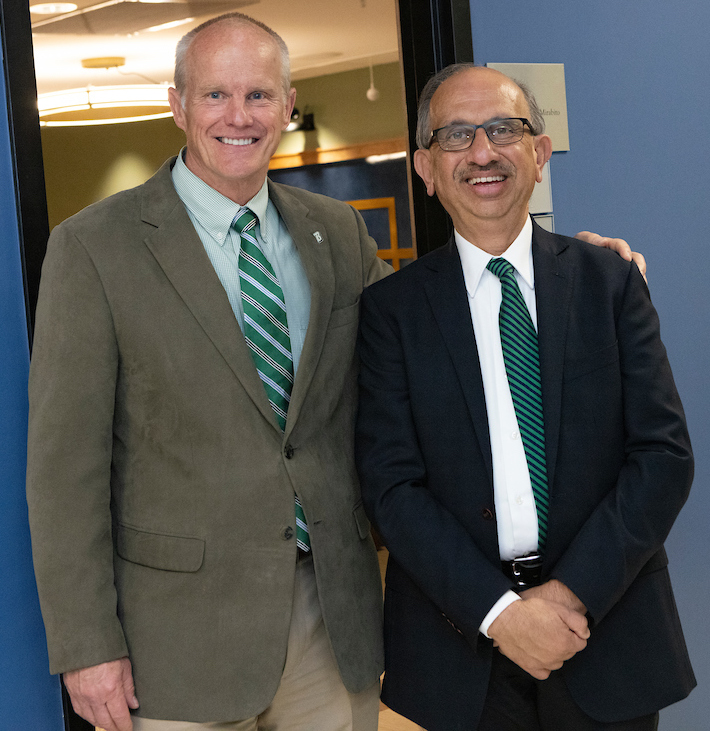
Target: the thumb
pixel 129 690
pixel 576 622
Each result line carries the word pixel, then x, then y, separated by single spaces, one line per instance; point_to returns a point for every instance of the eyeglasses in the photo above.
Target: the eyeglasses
pixel 457 137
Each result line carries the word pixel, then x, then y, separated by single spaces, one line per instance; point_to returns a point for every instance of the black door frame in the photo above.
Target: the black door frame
pixel 26 145
pixel 434 33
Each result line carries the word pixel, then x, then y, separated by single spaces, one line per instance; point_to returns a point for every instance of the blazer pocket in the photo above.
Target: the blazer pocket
pixel 344 315
pixel 160 550
pixel 361 521
pixel 589 362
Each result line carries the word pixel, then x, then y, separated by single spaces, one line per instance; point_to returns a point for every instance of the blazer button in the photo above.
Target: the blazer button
pixel 487 514
pixel 287 533
pixel 288 451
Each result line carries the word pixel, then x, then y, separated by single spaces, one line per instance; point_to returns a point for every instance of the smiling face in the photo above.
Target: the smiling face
pixel 234 107
pixel 486 188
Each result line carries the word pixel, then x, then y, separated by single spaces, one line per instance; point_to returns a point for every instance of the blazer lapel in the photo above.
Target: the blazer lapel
pixel 446 292
pixel 314 249
pixel 179 252
pixel 553 291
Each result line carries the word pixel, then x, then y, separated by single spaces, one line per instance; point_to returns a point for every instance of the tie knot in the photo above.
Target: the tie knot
pixel 245 220
pixel 500 267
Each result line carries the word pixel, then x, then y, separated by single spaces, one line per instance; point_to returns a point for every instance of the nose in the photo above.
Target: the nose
pixel 238 113
pixel 482 150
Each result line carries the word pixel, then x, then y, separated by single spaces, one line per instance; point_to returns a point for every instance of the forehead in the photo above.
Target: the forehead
pixel 237 51
pixel 475 96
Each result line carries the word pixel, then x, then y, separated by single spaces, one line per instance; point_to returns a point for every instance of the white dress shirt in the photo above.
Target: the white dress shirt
pixel 516 515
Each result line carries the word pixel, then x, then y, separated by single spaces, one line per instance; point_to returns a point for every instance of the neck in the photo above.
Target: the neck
pixel 492 236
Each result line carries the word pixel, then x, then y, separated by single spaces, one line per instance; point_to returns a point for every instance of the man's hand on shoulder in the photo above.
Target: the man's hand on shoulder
pixel 539 635
pixel 618 245
pixel 103 694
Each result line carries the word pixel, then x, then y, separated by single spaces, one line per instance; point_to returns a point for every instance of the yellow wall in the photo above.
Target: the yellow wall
pixel 85 164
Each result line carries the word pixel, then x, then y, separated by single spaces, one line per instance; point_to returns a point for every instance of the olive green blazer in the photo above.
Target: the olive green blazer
pixel 160 486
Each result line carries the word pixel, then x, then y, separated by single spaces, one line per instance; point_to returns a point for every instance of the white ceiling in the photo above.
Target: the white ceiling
pixel 324 36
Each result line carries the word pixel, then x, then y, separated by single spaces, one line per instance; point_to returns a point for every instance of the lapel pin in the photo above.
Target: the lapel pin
pixel 317 236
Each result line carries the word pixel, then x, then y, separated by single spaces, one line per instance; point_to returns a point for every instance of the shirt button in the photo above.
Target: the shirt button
pixel 519 500
pixel 515 435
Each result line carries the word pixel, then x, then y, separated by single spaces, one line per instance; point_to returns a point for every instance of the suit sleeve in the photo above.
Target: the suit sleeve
pixel 632 521
pixel 423 536
pixel 72 392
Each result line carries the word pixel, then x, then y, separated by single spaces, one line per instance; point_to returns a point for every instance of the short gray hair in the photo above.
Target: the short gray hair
pixel 234 19
pixel 537 120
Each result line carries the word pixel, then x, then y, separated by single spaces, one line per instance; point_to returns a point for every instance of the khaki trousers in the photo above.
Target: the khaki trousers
pixel 311 695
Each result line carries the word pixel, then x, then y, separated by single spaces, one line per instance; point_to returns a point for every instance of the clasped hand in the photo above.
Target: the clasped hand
pixel 543 631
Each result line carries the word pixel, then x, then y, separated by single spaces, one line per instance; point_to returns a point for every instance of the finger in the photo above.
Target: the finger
pixel 538 674
pixel 575 621
pixel 640 262
pixel 119 713
pixel 129 691
pixel 102 719
pixel 618 245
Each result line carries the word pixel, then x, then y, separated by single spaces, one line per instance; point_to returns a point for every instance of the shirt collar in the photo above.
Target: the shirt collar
pixel 212 210
pixel 474 260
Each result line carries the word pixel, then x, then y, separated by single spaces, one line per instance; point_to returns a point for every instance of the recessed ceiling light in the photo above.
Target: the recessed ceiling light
pixel 53 8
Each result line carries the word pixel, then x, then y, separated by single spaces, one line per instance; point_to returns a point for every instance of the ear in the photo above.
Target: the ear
pixel 543 152
pixel 176 107
pixel 423 166
pixel 288 109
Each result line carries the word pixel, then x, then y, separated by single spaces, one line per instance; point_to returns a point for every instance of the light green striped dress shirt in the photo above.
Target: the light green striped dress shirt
pixel 212 214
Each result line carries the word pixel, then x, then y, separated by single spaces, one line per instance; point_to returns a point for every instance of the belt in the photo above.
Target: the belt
pixel 525 571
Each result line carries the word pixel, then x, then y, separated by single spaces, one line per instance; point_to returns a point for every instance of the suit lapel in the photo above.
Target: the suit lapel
pixel 446 292
pixel 179 252
pixel 314 250
pixel 553 291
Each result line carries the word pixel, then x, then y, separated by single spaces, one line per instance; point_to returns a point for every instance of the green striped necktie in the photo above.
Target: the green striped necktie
pixel 266 332
pixel 522 364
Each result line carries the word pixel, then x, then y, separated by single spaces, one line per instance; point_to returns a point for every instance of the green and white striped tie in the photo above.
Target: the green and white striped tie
pixel 266 332
pixel 522 364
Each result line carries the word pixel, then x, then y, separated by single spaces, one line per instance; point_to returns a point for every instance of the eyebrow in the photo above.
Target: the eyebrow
pixel 472 124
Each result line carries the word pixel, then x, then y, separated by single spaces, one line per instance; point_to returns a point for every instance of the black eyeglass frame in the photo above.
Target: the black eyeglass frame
pixel 484 127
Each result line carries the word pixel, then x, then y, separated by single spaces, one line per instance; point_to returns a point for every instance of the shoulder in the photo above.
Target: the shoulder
pixel 569 255
pixel 290 197
pixel 445 260
pixel 405 290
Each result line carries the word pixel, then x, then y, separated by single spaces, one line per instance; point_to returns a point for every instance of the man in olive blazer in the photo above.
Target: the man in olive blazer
pixel 160 485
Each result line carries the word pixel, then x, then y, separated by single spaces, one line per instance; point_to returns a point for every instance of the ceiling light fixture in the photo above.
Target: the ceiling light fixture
pixel 167 26
pixel 52 8
pixel 372 94
pixel 103 105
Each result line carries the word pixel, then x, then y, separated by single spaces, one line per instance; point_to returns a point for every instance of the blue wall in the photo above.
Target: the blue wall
pixel 29 696
pixel 638 100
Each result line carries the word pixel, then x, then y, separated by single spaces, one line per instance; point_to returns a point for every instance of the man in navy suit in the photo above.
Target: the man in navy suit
pixel 516 601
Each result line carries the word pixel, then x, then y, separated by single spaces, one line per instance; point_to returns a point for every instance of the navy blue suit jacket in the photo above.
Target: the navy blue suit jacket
pixel 619 467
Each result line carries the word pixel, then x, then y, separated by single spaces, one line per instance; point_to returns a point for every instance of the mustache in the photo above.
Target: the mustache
pixel 493 168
